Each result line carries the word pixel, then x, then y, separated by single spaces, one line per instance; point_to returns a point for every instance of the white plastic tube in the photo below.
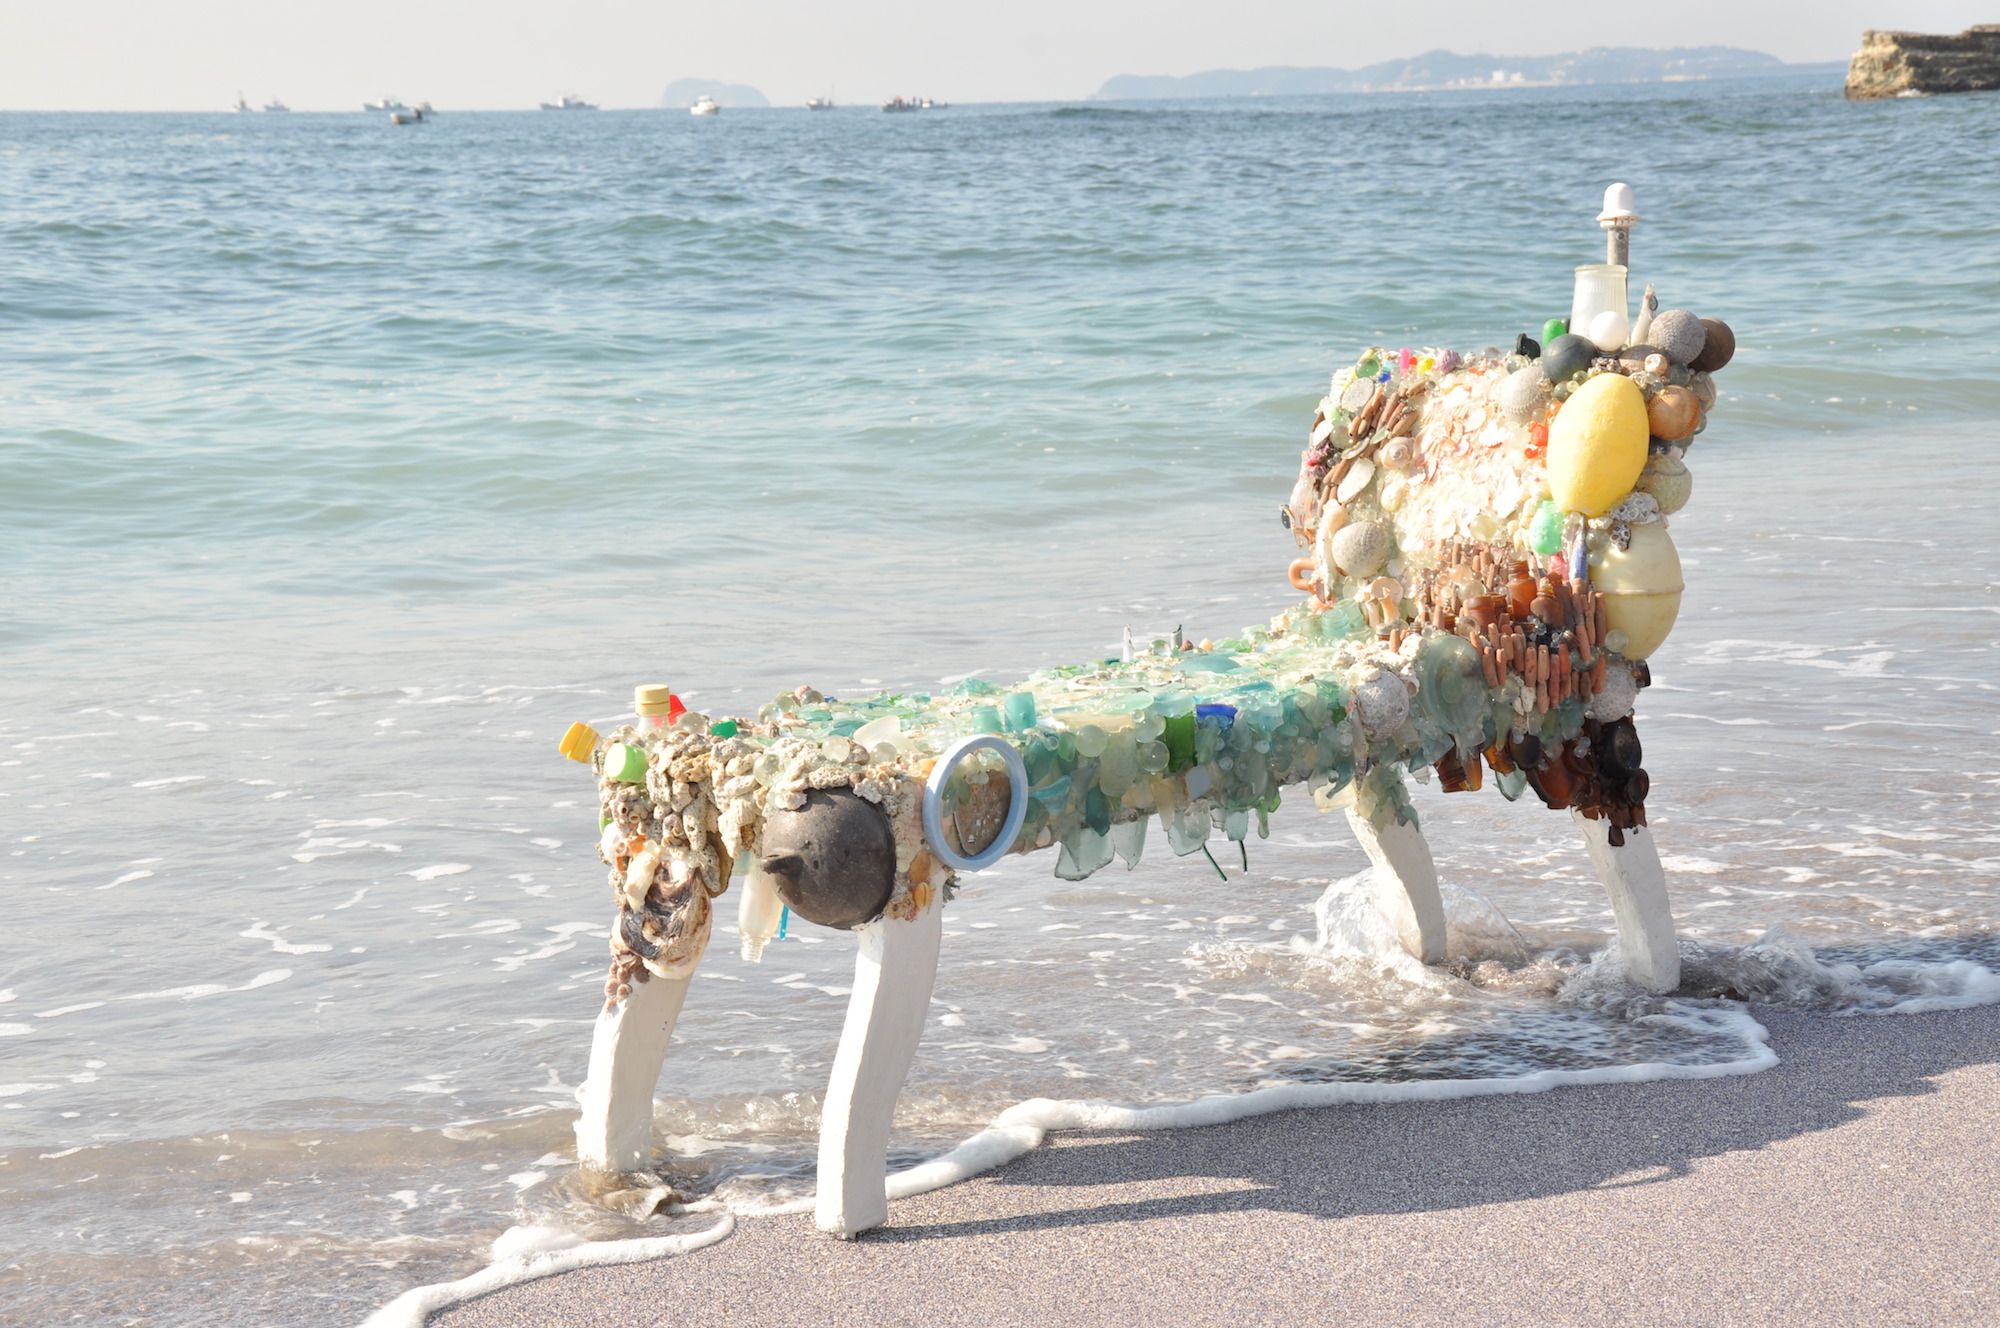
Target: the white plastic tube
pixel 759 913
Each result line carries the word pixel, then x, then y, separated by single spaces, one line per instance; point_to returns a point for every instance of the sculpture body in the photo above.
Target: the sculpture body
pixel 1487 567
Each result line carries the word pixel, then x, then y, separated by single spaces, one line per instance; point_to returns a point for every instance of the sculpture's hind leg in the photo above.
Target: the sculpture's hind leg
pixel 893 976
pixel 615 1131
pixel 1637 884
pixel 1407 883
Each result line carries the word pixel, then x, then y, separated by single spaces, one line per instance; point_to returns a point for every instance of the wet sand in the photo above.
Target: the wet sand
pixel 1858 1182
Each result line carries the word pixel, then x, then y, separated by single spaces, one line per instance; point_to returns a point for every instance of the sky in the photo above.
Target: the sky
pixel 500 54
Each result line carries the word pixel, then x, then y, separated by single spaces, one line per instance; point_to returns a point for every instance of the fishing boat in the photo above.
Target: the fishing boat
pixel 389 104
pixel 407 115
pixel 912 104
pixel 275 105
pixel 704 105
pixel 568 103
pixel 820 104
pixel 241 105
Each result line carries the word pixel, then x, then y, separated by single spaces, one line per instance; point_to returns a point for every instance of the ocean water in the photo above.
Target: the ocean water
pixel 345 465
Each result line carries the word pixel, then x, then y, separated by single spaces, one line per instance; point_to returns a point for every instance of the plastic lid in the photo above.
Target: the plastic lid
pixel 625 763
pixel 653 699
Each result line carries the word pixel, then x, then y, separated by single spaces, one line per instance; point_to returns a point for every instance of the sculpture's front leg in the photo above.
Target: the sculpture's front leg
pixel 893 976
pixel 1407 884
pixel 615 1131
pixel 1637 884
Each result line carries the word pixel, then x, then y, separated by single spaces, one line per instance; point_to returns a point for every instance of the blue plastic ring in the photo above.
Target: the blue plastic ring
pixel 1017 807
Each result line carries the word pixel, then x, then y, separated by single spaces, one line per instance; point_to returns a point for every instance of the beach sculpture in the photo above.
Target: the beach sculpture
pixel 1487 568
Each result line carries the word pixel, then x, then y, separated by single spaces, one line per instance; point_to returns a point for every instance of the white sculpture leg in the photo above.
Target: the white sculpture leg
pixel 1406 882
pixel 615 1131
pixel 893 976
pixel 1637 884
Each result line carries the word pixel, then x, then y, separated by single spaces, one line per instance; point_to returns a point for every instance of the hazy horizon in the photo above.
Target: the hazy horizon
pixel 318 55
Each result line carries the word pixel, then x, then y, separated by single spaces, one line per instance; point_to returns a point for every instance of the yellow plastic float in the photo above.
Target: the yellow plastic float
pixel 1597 445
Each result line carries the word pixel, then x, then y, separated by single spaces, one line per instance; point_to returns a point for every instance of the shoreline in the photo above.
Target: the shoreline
pixel 1854 1182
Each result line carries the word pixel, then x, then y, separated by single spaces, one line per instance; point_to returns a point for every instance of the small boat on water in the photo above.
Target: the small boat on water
pixel 568 103
pixel 913 104
pixel 704 105
pixel 275 105
pixel 412 114
pixel 241 105
pixel 389 104
pixel 820 104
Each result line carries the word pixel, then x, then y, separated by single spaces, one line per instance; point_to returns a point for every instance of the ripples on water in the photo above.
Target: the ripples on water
pixel 346 466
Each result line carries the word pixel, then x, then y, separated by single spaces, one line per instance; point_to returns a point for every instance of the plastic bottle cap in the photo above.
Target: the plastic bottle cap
pixel 578 743
pixel 625 763
pixel 655 699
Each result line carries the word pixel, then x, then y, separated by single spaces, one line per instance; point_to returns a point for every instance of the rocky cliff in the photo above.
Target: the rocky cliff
pixel 1917 64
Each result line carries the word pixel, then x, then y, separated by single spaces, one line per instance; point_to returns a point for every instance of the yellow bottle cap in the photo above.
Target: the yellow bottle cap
pixel 652 700
pixel 579 742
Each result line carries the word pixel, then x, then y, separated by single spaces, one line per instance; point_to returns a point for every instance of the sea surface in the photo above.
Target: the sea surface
pixel 343 465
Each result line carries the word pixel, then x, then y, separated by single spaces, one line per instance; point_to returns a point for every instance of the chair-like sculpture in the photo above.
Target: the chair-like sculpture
pixel 1487 569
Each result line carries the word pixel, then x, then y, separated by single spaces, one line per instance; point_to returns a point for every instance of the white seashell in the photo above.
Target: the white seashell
pixel 1355 481
pixel 1360 549
pixel 1381 704
pixel 1323 432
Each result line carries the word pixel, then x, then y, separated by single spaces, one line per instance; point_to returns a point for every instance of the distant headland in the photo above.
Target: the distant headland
pixel 1447 70
pixel 680 93
pixel 1919 64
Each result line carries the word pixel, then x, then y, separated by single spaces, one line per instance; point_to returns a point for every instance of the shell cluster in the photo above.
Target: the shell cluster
pixel 1518 503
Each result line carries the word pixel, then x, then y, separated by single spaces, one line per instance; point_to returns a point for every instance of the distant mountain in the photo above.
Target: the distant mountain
pixel 1436 70
pixel 682 91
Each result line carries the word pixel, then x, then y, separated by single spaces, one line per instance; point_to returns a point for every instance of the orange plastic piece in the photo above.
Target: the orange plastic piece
pixel 1300 574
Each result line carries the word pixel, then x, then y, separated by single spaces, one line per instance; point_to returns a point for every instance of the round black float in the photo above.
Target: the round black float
pixel 833 860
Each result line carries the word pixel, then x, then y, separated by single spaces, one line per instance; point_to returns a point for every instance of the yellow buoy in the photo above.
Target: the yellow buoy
pixel 1597 445
pixel 1642 588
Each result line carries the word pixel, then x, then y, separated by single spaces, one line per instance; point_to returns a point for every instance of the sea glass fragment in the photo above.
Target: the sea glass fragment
pixel 1083 852
pixel 1018 710
pixel 1189 830
pixel 1097 810
pixel 1128 840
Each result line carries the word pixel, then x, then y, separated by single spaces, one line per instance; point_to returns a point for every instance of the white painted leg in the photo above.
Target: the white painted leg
pixel 893 976
pixel 1402 859
pixel 1637 884
pixel 615 1131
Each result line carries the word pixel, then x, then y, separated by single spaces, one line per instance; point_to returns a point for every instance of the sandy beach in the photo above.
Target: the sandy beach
pixel 1853 1184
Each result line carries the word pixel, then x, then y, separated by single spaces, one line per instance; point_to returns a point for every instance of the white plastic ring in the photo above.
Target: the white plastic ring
pixel 1017 808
